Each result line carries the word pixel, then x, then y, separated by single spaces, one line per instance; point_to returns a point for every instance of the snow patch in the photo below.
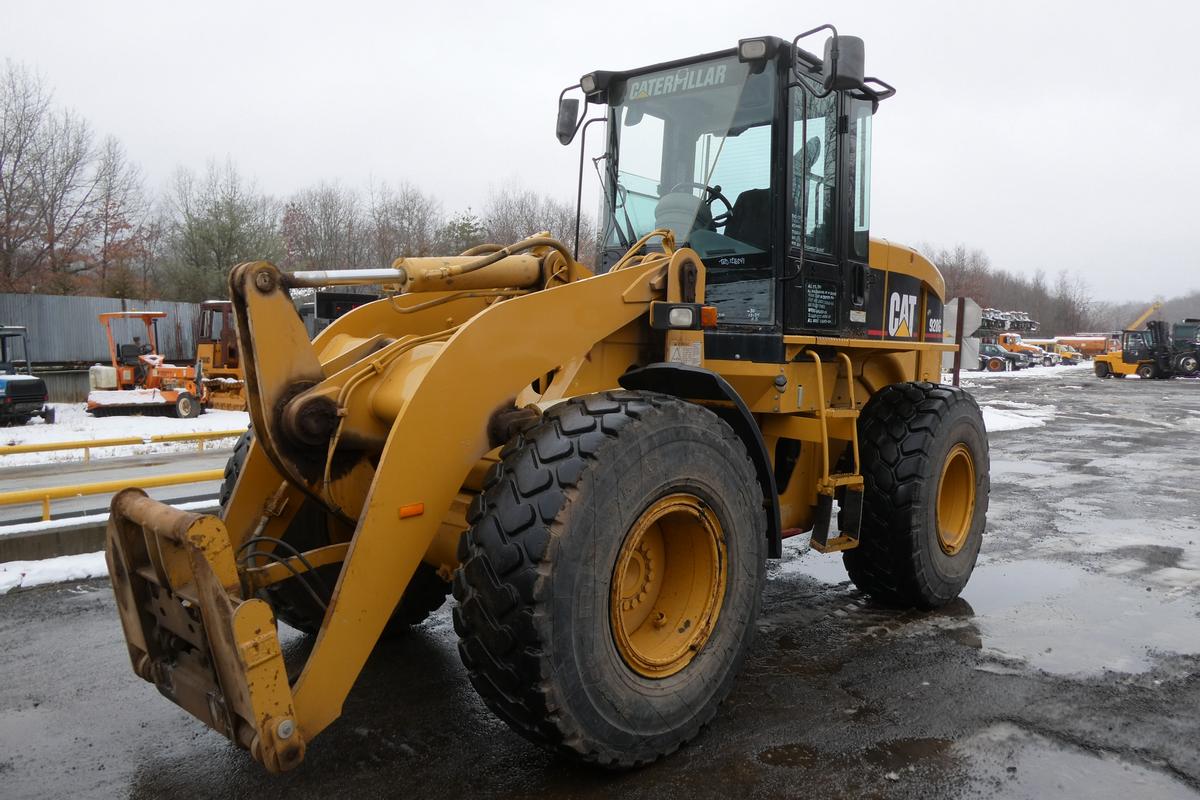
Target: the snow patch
pixel 1029 373
pixel 73 423
pixel 1016 416
pixel 24 574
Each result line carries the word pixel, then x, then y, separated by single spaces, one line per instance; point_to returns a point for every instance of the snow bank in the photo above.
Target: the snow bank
pixel 73 423
pixel 1014 416
pixel 24 574
pixel 1029 373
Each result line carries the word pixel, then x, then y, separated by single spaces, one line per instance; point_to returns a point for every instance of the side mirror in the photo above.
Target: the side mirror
pixel 844 63
pixel 568 119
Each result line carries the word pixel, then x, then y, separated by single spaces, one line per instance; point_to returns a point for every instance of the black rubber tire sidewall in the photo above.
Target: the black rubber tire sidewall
pixel 948 574
pixel 187 406
pixel 598 686
pixel 899 560
pixel 533 591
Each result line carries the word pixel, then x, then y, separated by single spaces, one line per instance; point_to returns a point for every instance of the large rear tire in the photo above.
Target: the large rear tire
pixel 292 603
pixel 924 454
pixel 612 576
pixel 1101 369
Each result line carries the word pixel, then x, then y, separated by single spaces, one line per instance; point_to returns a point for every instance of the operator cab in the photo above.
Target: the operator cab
pixel 10 335
pixel 758 158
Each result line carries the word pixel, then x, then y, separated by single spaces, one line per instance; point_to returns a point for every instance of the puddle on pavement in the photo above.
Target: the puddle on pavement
pixel 1064 620
pixel 795 756
pixel 1055 616
pixel 1008 761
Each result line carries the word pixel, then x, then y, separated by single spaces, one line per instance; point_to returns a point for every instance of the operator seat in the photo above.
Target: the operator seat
pixel 750 220
pixel 128 354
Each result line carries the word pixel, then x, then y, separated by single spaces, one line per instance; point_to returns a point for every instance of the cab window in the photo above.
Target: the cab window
pixel 814 171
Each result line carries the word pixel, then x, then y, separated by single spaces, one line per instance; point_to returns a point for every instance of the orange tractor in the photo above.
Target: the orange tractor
pixel 139 380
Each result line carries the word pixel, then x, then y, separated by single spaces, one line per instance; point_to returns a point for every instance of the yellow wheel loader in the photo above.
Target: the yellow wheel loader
pixel 596 461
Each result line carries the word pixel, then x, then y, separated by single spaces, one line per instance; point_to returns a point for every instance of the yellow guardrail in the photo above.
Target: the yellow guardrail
pixel 90 444
pixel 22 496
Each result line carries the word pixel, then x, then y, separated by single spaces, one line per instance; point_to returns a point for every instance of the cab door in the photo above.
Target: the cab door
pixel 1134 347
pixel 826 279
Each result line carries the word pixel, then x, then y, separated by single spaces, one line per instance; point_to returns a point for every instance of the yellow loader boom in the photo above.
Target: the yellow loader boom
pixel 598 463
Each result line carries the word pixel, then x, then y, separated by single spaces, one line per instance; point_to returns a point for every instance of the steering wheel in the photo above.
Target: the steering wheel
pixel 711 195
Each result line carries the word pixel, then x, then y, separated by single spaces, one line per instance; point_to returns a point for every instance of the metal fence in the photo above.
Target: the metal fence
pixel 65 329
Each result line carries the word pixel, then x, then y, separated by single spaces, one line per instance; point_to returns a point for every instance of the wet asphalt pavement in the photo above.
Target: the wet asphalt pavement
pixel 1069 668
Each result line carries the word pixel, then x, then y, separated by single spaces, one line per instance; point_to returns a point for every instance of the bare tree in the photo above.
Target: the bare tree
pixel 24 107
pixel 117 220
pixel 404 222
pixel 514 214
pixel 325 226
pixel 65 183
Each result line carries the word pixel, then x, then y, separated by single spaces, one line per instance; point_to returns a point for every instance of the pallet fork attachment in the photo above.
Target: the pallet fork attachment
pixel 191 634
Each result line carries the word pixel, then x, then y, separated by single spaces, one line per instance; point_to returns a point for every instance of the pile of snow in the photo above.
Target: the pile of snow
pixel 1011 416
pixel 1029 373
pixel 73 423
pixel 24 574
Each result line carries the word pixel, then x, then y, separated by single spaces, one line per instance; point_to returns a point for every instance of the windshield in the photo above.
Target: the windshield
pixel 690 151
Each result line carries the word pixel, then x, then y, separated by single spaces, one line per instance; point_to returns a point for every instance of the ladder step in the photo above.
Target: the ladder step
pixel 841 413
pixel 840 479
pixel 835 545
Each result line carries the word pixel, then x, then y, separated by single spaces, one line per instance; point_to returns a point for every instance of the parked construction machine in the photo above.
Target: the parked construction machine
pixel 598 463
pixel 217 356
pixel 23 395
pixel 1152 353
pixel 139 381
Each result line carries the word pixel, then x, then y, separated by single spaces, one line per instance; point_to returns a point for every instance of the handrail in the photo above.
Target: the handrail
pixel 22 496
pixel 48 447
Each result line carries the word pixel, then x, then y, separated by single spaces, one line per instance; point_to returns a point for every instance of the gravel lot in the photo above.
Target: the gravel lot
pixel 1067 669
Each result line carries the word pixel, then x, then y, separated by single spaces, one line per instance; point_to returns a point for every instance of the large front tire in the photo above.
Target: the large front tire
pixel 924 454
pixel 612 576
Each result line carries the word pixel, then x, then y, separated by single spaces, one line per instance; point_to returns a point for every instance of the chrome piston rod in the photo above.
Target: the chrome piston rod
pixel 311 279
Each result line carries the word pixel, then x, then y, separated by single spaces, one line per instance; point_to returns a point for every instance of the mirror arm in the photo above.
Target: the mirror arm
pixel 579 186
pixel 583 112
pixel 833 64
pixel 888 89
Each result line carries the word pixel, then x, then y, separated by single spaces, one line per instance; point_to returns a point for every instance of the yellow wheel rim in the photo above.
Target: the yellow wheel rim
pixel 668 585
pixel 956 500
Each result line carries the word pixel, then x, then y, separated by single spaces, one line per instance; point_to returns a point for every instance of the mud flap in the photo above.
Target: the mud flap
pixel 189 632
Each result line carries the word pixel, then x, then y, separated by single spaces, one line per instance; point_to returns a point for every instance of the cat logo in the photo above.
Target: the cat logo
pixel 902 314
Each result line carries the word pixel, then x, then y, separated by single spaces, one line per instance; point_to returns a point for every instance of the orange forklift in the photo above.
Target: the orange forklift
pixel 139 380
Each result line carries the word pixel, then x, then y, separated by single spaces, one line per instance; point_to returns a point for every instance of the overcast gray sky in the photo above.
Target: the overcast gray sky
pixel 1048 134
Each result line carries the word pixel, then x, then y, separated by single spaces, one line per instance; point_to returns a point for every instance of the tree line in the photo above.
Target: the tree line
pixel 76 216
pixel 1062 305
